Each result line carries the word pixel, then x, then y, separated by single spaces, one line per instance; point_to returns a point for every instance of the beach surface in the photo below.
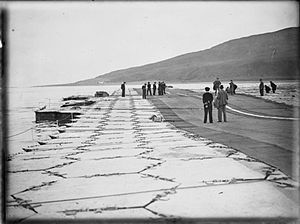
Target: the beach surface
pixel 117 163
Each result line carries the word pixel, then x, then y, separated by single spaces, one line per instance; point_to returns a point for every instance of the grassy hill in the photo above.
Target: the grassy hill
pixel 269 56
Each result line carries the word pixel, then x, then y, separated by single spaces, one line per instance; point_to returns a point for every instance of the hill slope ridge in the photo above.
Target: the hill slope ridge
pixel 271 55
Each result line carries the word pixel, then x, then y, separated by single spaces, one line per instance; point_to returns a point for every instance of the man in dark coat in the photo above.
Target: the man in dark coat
pixel 144 91
pixel 267 89
pixel 159 88
pixel 154 88
pixel 207 99
pixel 222 97
pixel 232 87
pixel 216 85
pixel 261 87
pixel 123 89
pixel 273 86
pixel 163 85
pixel 149 89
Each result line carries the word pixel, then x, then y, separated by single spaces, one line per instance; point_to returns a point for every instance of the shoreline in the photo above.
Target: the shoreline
pixel 171 83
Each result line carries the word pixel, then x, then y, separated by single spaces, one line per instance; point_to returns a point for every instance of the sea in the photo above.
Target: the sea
pixel 23 101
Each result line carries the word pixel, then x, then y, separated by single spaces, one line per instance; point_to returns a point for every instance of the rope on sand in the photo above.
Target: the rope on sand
pixel 262 116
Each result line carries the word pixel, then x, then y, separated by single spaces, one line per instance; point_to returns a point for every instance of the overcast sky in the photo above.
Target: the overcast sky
pixel 66 42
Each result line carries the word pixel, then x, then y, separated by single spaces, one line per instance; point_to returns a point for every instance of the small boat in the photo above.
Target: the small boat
pixel 101 94
pixel 79 103
pixel 54 115
pixel 78 97
pixel 56 142
pixel 30 148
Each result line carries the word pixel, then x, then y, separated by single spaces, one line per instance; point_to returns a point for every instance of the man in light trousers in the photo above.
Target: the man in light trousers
pixel 222 97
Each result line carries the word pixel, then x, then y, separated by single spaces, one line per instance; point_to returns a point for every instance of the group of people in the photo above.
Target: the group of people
pixel 220 100
pixel 146 89
pixel 230 89
pixel 263 87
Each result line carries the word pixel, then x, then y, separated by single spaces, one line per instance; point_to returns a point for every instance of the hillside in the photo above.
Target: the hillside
pixel 270 56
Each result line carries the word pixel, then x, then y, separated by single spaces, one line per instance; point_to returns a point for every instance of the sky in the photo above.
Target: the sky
pixel 63 42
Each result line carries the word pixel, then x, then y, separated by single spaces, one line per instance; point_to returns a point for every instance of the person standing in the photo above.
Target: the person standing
pixel 261 87
pixel 154 88
pixel 123 89
pixel 207 99
pixel 273 86
pixel 216 85
pixel 159 88
pixel 267 88
pixel 234 87
pixel 163 88
pixel 222 97
pixel 144 91
pixel 231 87
pixel 149 89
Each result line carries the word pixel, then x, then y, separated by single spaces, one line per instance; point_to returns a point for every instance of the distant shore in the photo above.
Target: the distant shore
pixel 167 82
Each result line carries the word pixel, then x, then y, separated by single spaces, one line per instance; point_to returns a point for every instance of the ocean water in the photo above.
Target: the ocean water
pixel 23 101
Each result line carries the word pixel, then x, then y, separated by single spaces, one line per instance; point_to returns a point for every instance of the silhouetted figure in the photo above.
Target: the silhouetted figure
pixel 144 91
pixel 154 88
pixel 227 89
pixel 163 88
pixel 261 87
pixel 231 87
pixel 123 89
pixel 268 89
pixel 216 85
pixel 234 88
pixel 149 89
pixel 207 102
pixel 273 86
pixel 159 88
pixel 222 97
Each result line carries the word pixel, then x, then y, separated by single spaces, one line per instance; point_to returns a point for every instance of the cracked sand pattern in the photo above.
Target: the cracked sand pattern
pixel 114 162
